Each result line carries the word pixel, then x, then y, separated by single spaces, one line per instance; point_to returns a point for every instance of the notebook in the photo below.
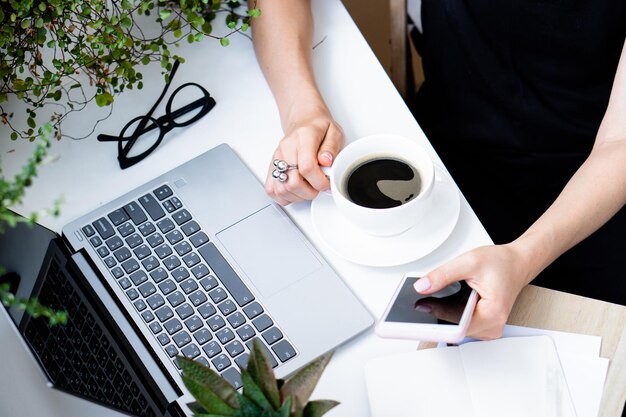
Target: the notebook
pixel 197 262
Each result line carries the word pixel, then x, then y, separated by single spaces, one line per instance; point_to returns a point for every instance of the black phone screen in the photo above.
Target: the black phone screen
pixel 443 307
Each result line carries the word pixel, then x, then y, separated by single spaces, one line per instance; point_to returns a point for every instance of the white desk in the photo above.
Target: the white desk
pixel 362 99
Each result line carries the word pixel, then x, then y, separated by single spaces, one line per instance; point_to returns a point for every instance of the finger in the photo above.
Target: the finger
pixel 333 143
pixel 487 323
pixel 458 269
pixel 297 186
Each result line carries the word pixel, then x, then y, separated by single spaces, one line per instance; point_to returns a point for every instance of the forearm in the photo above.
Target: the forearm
pixel 592 196
pixel 283 43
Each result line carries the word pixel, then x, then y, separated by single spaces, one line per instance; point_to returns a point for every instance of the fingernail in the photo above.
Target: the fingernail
pixel 422 284
pixel 423 308
pixel 327 155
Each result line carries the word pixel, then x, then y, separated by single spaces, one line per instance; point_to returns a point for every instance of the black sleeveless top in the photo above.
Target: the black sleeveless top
pixel 514 94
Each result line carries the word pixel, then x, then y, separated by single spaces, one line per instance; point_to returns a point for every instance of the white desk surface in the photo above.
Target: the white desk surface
pixel 362 99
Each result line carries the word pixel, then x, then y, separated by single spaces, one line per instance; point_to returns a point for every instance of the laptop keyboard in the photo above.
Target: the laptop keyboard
pixel 81 357
pixel 188 295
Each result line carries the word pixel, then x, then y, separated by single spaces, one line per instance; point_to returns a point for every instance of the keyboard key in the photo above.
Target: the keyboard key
pixel 171 262
pixel 147 289
pixel 203 361
pixel 176 298
pixel 132 293
pixel 253 310
pixel 114 243
pixel 168 206
pixel 181 339
pixel 176 202
pixel 202 336
pixel 172 326
pixel 110 261
pixel 262 322
pixel 142 251
pixel 268 353
pixel 155 240
pixel 117 272
pixel 208 283
pixel 242 361
pixel 227 307
pixel 155 327
pixel 180 273
pixel 140 305
pixel 126 229
pixel 147 229
pixel 150 263
pixel 88 230
pixel 246 332
pixel 184 311
pixel 191 351
pixel 95 241
pixel 166 225
pixel 284 350
pixel 163 251
pixel 216 322
pixel 211 349
pixel 188 285
pixel 118 217
pixel 135 212
pixel 155 301
pixel 207 310
pixel 171 351
pixel 237 319
pixel 221 362
pixel 103 251
pixel 183 248
pixel 174 236
pixel 181 216
pixel 151 205
pixel 164 313
pixel 167 286
pixel 122 254
pixel 272 335
pixel 190 228
pixel 148 316
pixel 200 271
pixel 197 298
pixel 134 240
pixel 234 348
pixel 198 240
pixel 163 192
pixel 104 228
pixel 225 273
pixel 158 274
pixel 138 277
pixel 225 335
pixel 193 323
pixel 124 283
pixel 163 339
pixel 217 295
pixel 233 377
pixel 191 259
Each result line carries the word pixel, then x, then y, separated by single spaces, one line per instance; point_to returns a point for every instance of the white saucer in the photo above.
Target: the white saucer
pixel 351 243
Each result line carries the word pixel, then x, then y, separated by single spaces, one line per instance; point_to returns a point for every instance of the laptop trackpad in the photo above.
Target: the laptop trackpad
pixel 270 251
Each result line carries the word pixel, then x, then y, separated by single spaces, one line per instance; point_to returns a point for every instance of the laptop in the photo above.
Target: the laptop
pixel 197 262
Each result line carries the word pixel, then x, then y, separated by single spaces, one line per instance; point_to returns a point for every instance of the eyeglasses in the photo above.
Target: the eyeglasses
pixel 151 131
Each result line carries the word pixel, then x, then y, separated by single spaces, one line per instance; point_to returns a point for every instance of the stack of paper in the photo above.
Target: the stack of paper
pixel 559 375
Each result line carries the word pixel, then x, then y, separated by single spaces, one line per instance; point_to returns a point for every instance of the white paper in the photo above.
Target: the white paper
pixel 585 377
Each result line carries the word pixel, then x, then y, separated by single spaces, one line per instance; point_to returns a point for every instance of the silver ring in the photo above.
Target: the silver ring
pixel 280 173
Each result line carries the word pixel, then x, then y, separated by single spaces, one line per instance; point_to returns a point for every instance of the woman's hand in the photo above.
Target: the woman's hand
pixel 313 139
pixel 497 273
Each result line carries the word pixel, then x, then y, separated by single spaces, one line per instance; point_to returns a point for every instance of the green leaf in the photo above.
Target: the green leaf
pixel 126 5
pixel 104 99
pixel 318 408
pixel 302 383
pixel 126 22
pixel 254 12
pixel 285 409
pixel 261 372
pixel 13 135
pixel 247 407
pixel 209 378
pixel 164 14
pixel 252 391
pixel 244 27
pixel 209 400
pixel 31 122
pixel 224 41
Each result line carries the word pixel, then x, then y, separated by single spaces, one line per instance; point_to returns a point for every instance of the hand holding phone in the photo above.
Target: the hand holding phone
pixel 443 316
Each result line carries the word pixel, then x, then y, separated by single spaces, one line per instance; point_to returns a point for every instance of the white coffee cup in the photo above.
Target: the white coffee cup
pixel 382 221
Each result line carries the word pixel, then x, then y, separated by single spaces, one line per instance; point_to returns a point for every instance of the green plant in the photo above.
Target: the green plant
pixel 11 193
pixel 262 396
pixel 67 53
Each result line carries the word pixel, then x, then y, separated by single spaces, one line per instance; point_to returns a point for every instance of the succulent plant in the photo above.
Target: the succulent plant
pixel 262 395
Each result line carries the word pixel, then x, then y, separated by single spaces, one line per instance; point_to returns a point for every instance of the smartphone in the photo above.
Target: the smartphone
pixel 439 317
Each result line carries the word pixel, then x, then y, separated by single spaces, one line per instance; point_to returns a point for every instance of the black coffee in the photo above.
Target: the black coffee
pixel 383 183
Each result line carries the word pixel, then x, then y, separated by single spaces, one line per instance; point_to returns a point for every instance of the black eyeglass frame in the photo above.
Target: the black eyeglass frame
pixel 164 123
